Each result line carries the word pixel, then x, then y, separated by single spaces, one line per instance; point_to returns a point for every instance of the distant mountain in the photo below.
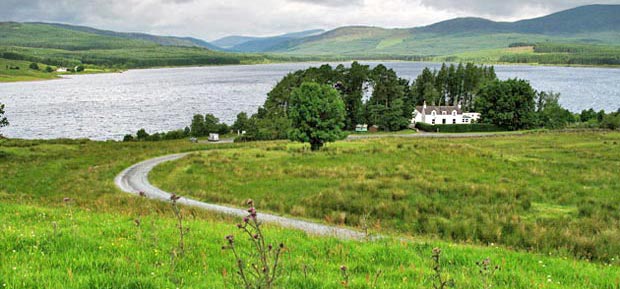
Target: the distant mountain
pixel 261 44
pixel 162 40
pixel 586 24
pixel 230 41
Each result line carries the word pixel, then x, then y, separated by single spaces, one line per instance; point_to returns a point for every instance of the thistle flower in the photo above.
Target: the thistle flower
pixel 343 268
pixel 231 239
pixel 142 194
pixel 174 197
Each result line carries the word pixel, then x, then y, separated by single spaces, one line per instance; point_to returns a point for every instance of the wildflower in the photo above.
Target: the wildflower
pixel 231 239
pixel 66 200
pixel 174 197
pixel 246 219
pixel 343 268
pixel 256 236
pixel 142 194
pixel 249 202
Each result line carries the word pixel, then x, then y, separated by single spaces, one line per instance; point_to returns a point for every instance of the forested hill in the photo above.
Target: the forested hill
pixel 70 37
pixel 585 19
pixel 162 40
pixel 66 45
pixel 594 24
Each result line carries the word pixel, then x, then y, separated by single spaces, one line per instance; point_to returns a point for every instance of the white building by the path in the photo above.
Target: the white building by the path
pixel 443 115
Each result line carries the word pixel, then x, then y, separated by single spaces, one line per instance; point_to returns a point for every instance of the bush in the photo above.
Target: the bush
pixel 34 66
pixel 474 127
pixel 611 121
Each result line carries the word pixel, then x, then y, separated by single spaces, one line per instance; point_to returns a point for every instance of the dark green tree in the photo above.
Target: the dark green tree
pixel 34 66
pixel 386 105
pixel 550 113
pixel 242 123
pixel 197 128
pixel 508 104
pixel 49 69
pixel 611 121
pixel 142 134
pixel 317 113
pixel 3 120
pixel 355 80
pixel 211 124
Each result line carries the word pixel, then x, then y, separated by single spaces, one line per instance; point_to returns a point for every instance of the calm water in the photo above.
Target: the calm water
pixel 108 106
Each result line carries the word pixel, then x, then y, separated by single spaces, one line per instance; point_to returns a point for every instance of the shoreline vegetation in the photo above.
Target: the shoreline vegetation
pixel 27 76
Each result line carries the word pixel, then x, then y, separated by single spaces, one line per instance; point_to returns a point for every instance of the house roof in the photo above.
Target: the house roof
pixel 439 109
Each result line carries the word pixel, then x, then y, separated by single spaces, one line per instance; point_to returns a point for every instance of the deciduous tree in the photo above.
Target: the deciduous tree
pixel 317 113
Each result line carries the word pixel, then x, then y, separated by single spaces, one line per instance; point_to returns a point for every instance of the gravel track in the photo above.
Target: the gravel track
pixel 135 180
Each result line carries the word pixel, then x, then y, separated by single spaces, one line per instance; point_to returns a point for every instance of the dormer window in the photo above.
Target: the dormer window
pixel 433 113
pixel 444 113
pixel 454 112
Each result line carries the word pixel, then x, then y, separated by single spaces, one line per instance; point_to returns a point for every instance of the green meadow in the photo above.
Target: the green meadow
pixel 65 225
pixel 551 193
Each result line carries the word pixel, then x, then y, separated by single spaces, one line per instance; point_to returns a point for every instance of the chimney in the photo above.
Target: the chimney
pixel 424 105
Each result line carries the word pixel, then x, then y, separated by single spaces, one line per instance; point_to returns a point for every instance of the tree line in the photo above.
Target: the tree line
pixel 299 107
pixel 373 96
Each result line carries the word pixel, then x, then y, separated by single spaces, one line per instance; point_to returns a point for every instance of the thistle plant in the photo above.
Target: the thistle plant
pixel 345 276
pixel 487 272
pixel 258 269
pixel 439 280
pixel 179 216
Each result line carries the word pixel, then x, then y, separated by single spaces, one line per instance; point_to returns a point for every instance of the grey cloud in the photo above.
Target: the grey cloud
pixel 508 8
pixel 331 3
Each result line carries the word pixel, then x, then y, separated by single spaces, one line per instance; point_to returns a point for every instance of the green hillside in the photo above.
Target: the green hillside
pixel 591 25
pixel 64 45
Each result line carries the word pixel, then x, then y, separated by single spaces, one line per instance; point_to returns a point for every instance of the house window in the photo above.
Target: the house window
pixel 444 112
pixel 443 121
pixel 433 113
pixel 454 112
pixel 433 121
pixel 454 121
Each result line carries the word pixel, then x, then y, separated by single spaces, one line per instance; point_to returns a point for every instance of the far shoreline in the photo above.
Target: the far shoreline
pixel 325 61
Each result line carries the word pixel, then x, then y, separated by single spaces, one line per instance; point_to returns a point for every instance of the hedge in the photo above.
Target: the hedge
pixel 474 127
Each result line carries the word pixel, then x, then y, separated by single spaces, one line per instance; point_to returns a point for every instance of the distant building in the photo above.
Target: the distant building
pixel 214 137
pixel 443 115
pixel 361 128
pixel 61 69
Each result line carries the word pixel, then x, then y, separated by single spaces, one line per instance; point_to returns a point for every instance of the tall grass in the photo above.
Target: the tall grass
pixel 550 192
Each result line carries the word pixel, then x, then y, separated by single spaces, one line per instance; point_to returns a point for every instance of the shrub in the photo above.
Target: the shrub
pixel 34 66
pixel 474 127
pixel 611 121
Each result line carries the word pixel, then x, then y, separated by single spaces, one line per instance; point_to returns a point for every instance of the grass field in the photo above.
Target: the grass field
pixel 550 193
pixel 92 241
pixel 23 73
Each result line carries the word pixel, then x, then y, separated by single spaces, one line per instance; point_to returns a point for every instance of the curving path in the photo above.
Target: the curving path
pixel 135 180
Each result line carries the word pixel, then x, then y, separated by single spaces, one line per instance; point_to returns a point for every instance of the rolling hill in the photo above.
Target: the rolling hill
pixel 261 44
pixel 593 24
pixel 68 45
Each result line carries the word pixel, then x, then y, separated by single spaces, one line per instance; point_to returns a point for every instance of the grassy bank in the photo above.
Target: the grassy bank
pixel 549 192
pixel 93 240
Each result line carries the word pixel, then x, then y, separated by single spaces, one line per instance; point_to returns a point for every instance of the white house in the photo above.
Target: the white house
pixel 61 69
pixel 443 115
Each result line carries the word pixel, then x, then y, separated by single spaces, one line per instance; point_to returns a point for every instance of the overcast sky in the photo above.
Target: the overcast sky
pixel 210 19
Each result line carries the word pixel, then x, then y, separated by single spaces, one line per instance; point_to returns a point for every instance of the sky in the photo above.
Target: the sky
pixel 212 19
